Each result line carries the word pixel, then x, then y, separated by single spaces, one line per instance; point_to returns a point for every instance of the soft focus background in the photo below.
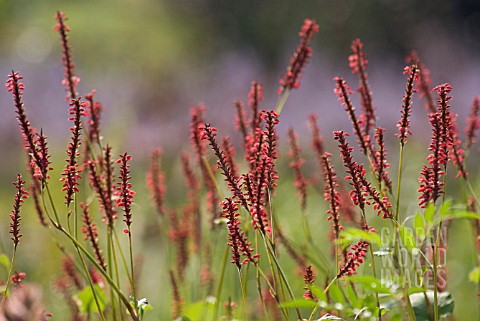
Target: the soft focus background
pixel 151 60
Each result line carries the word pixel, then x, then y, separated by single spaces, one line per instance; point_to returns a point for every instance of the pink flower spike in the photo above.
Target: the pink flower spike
pixel 291 79
pixel 124 190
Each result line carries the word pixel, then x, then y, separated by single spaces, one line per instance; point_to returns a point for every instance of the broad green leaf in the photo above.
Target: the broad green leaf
pixel 318 293
pixel 199 311
pixel 474 275
pixel 369 282
pixel 299 303
pixel 352 296
pixel 87 302
pixel 407 238
pixel 429 213
pixel 419 226
pixel 423 310
pixel 330 317
pixel 336 294
pixel 5 261
pixel 445 208
pixel 354 235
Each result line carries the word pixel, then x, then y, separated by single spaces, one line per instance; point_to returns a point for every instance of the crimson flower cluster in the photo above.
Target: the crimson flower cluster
pixel 423 81
pixel 94 111
pixel 291 79
pixel 441 143
pixel 19 198
pixel 71 173
pixel 237 240
pixel 361 187
pixel 124 190
pixel 308 279
pixel 358 63
pixel 404 123
pixel 91 234
pixel 71 81
pixel 473 122
pixel 331 195
pixel 156 181
pixel 342 90
pixel 355 258
pixel 296 164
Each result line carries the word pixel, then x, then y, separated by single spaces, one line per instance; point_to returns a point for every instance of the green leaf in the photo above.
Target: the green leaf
pixel 299 303
pixel 369 282
pixel 423 310
pixel 354 235
pixel 445 208
pixel 318 293
pixel 474 275
pixel 183 318
pixel 407 238
pixel 419 226
pixel 352 296
pixel 336 294
pixel 5 261
pixel 429 213
pixel 330 317
pixel 87 300
pixel 198 311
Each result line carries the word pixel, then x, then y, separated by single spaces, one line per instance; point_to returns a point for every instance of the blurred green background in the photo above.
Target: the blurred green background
pixel 151 60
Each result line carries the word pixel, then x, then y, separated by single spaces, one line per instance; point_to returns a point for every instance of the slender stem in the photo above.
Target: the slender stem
pixel 282 100
pixel 315 309
pixel 12 262
pixel 220 284
pixel 132 271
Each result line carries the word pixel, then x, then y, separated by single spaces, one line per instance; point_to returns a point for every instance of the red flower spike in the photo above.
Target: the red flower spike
pixel 209 134
pixel 308 279
pixel 94 109
pixel 71 81
pixel 317 140
pixel 354 259
pixel 240 121
pixel 71 172
pixel 423 82
pixel 358 63
pixel 342 90
pixel 124 190
pixel 255 97
pixel 156 181
pixel 473 122
pixel 296 164
pixel 403 124
pixel 237 239
pixel 19 198
pixel 91 234
pixel 380 163
pixel 332 196
pixel 291 79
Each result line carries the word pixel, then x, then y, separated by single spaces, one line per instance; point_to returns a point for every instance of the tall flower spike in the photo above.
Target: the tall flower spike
pixel 28 132
pixel 71 81
pixel 403 124
pixel 156 181
pixel 95 112
pixel 209 134
pixel 19 198
pixel 296 164
pixel 352 169
pixel 91 234
pixel 271 121
pixel 110 212
pixel 380 164
pixel 342 90
pixel 255 97
pixel 291 79
pixel 240 121
pixel 456 151
pixel 308 279
pixel 332 196
pixel 355 257
pixel 71 173
pixel 229 152
pixel 317 140
pixel 473 122
pixel 430 179
pixel 358 63
pixel 238 242
pixel 423 81
pixel 41 171
pixel 446 123
pixel 124 190
pixel 102 194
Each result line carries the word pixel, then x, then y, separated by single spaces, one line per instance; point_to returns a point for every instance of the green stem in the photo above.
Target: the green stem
pixel 282 100
pixel 315 309
pixel 220 284
pixel 12 262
